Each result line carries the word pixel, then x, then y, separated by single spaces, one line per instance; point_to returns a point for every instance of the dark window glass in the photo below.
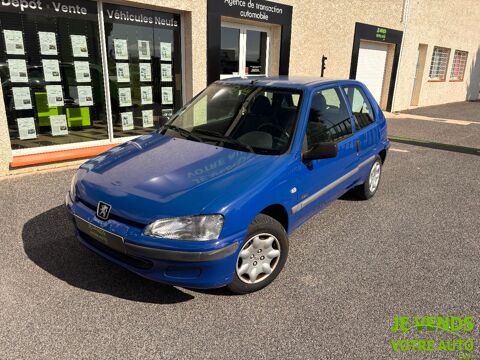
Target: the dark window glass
pixel 256 56
pixel 74 109
pixel 361 108
pixel 144 65
pixel 240 117
pixel 328 118
pixel 230 51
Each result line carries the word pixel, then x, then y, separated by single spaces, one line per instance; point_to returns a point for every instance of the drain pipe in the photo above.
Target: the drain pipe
pixel 405 16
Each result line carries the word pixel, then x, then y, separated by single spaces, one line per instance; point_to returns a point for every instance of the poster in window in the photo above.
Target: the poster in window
pixel 82 71
pixel 147 118
pixel 145 70
pixel 48 43
pixel 167 96
pixel 79 45
pixel 85 97
pixel 58 124
pixel 125 97
pixel 54 95
pixel 147 95
pixel 166 71
pixel 121 49
pixel 167 113
pixel 123 72
pixel 21 98
pixel 18 70
pixel 26 128
pixel 14 42
pixel 127 120
pixel 144 50
pixel 51 70
pixel 165 51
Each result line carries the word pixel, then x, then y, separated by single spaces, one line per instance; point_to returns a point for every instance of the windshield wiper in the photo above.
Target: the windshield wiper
pixel 225 138
pixel 184 132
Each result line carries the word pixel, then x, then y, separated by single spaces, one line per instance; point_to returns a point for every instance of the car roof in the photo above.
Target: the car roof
pixel 297 82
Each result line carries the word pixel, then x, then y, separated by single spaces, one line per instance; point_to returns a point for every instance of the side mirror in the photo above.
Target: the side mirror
pixel 321 151
pixel 162 120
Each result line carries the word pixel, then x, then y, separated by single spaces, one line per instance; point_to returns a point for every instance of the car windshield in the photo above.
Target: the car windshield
pixel 246 118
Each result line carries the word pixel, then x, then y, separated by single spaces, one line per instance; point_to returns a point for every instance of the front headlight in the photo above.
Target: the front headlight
pixel 73 187
pixel 201 228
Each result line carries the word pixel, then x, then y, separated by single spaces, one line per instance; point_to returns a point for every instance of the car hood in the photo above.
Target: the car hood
pixel 158 176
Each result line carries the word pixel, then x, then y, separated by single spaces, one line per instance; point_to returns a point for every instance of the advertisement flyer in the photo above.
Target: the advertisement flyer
pixel 51 70
pixel 127 120
pixel 54 95
pixel 165 51
pixel 14 42
pixel 121 49
pixel 26 128
pixel 166 71
pixel 147 118
pixel 18 70
pixel 48 43
pixel 167 113
pixel 123 72
pixel 85 97
pixel 147 95
pixel 144 50
pixel 79 45
pixel 167 96
pixel 21 98
pixel 58 123
pixel 145 72
pixel 124 97
pixel 82 71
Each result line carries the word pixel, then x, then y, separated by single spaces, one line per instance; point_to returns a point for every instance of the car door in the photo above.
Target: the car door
pixel 325 179
pixel 366 133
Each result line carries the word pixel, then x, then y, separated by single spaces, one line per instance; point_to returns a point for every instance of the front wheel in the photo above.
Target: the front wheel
pixel 261 257
pixel 370 187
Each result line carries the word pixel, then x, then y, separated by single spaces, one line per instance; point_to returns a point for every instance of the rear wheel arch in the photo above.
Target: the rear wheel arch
pixel 383 155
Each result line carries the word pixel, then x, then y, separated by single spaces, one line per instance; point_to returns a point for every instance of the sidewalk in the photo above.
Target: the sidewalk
pixel 456 124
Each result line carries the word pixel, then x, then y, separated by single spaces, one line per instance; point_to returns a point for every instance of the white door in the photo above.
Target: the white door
pixel 372 59
pixel 245 51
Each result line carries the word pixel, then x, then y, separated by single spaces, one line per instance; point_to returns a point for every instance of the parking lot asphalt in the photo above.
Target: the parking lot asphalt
pixel 411 250
pixel 462 110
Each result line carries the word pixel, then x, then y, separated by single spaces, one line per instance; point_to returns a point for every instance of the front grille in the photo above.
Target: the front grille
pixel 128 259
pixel 113 216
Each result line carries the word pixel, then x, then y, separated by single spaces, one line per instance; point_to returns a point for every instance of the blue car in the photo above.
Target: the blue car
pixel 209 199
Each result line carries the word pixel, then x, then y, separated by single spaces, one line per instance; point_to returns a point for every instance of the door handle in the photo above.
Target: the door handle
pixel 358 145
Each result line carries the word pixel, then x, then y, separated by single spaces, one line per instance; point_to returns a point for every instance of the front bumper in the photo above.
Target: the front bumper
pixel 208 264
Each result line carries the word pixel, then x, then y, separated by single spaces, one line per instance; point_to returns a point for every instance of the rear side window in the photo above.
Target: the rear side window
pixel 328 118
pixel 361 107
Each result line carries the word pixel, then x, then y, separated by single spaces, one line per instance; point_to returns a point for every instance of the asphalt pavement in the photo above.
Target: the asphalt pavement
pixel 411 250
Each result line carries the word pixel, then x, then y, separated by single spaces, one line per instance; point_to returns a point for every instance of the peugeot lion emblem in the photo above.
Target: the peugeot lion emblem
pixel 103 210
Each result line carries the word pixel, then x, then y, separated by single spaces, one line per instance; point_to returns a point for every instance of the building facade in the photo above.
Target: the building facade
pixel 81 76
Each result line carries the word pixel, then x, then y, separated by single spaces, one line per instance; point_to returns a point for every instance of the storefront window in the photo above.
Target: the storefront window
pixel 144 66
pixel 51 72
pixel 230 52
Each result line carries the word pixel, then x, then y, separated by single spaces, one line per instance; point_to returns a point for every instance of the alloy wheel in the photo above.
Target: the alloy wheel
pixel 258 258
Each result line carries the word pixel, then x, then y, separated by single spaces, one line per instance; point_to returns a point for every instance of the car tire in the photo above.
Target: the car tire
pixel 265 249
pixel 370 186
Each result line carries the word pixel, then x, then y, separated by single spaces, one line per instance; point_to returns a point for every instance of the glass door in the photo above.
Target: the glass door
pixel 244 51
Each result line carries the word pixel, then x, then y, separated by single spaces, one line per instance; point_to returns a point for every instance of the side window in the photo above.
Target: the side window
pixel 361 108
pixel 328 119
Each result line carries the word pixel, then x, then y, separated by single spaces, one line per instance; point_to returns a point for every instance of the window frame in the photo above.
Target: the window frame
pixel 444 77
pixel 460 53
pixel 350 108
pixel 314 92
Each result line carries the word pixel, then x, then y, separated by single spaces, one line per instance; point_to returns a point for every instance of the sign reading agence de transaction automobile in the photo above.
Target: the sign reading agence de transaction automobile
pixel 256 10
